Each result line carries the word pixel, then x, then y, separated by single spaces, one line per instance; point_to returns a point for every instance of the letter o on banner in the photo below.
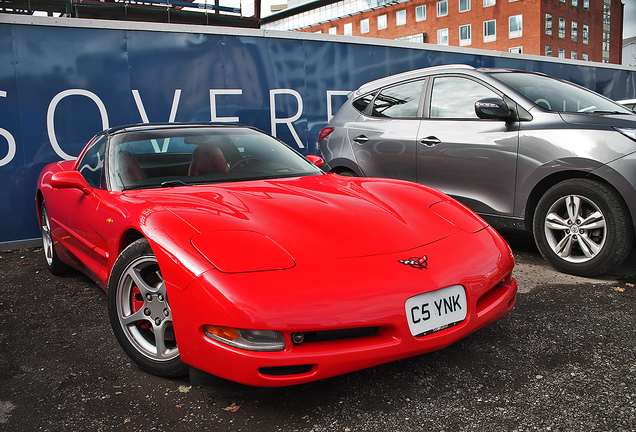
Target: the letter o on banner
pixel 50 116
pixel 11 153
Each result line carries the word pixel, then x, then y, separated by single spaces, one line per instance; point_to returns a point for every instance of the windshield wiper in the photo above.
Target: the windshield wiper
pixel 168 183
pixel 607 112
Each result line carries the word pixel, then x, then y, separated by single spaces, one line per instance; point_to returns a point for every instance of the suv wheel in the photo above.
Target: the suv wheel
pixel 582 227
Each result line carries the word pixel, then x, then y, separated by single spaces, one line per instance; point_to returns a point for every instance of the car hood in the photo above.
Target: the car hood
pixel 316 217
pixel 603 120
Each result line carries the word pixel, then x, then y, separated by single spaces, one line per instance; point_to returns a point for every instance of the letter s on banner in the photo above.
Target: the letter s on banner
pixel 50 116
pixel 10 141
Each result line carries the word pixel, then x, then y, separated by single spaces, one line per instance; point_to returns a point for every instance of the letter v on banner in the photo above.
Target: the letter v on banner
pixel 288 120
pixel 144 116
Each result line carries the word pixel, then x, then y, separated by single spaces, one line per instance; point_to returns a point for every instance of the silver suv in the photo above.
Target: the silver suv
pixel 519 148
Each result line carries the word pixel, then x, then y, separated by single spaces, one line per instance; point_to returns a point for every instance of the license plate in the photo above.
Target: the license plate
pixel 436 310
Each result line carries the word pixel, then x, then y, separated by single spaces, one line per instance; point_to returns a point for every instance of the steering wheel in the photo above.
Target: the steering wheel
pixel 543 103
pixel 244 161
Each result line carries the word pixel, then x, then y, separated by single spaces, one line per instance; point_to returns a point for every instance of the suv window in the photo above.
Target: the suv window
pixel 362 103
pixel 455 97
pixel 400 101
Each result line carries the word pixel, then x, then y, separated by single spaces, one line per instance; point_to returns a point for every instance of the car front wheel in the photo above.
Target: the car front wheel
pixel 582 227
pixel 140 314
pixel 54 264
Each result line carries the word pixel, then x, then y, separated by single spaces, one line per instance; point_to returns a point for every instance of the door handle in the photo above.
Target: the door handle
pixel 361 139
pixel 430 141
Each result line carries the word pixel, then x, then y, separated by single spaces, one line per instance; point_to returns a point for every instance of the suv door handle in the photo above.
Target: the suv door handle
pixel 430 141
pixel 361 139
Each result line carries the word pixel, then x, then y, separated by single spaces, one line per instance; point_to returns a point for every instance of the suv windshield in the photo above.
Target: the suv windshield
pixel 181 156
pixel 559 96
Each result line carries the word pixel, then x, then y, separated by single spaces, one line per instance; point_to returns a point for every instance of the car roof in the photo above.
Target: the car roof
pixel 405 76
pixel 140 127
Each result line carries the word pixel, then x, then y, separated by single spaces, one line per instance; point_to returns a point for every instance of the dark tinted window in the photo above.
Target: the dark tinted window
pixel 92 164
pixel 362 103
pixel 455 97
pixel 400 101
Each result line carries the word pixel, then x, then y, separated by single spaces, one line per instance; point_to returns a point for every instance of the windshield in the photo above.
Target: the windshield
pixel 558 96
pixel 196 155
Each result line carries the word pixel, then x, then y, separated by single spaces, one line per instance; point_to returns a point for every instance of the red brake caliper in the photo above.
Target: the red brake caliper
pixel 136 303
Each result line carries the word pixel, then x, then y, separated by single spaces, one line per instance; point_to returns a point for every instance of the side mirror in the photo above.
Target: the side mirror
pixel 316 160
pixel 70 179
pixel 493 108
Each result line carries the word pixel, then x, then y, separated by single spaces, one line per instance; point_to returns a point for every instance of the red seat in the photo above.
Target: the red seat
pixel 207 158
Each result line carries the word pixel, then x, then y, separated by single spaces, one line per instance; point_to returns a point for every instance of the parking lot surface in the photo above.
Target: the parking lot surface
pixel 563 360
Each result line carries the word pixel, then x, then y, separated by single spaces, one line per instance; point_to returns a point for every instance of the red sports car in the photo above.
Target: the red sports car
pixel 225 252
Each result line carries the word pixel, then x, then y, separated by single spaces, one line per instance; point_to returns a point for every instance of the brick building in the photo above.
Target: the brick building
pixel 573 29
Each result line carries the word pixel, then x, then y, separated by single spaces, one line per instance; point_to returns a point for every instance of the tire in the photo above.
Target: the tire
pixel 139 312
pixel 582 227
pixel 348 173
pixel 53 263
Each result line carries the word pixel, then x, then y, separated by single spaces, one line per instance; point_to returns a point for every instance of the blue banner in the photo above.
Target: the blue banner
pixel 61 82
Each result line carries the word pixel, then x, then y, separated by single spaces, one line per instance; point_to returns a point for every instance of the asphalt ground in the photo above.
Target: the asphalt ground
pixel 563 360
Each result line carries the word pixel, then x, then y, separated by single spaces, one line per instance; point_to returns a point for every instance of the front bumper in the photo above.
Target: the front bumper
pixel 367 294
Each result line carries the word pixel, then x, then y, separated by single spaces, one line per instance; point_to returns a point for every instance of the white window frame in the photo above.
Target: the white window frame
pixel 465 41
pixel 441 13
pixel 517 19
pixel 562 25
pixel 548 51
pixel 586 34
pixel 333 30
pixel 574 55
pixel 490 37
pixel 364 26
pixel 348 29
pixel 516 50
pixel 574 31
pixel 382 22
pixel 420 13
pixel 466 5
pixel 562 53
pixel 400 17
pixel 489 3
pixel 442 34
pixel 550 21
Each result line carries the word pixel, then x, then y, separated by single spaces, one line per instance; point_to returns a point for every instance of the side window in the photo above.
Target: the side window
pixel 363 102
pixel 400 101
pixel 455 97
pixel 91 166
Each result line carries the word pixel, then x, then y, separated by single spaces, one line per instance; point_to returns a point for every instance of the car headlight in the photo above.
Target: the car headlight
pixel 251 340
pixel 628 132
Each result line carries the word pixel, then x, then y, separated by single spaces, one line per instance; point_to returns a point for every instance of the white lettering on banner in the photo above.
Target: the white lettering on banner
pixel 330 94
pixel 10 140
pixel 50 116
pixel 213 116
pixel 144 116
pixel 289 120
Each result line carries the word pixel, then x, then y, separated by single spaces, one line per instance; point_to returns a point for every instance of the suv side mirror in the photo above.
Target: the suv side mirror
pixel 493 108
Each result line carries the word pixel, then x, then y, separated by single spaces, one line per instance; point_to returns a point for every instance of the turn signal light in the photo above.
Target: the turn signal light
pixel 251 340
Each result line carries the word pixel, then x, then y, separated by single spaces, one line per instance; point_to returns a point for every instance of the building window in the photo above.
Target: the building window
pixel 442 8
pixel 364 26
pixel 400 17
pixel 333 30
pixel 561 28
pixel 574 55
pixel 348 29
pixel 515 26
pixel 464 5
pixel 381 22
pixel 442 37
pixel 516 50
pixel 585 57
pixel 465 35
pixel 575 31
pixel 548 24
pixel 561 53
pixel 548 50
pixel 488 3
pixel 420 13
pixel 586 4
pixel 586 34
pixel 490 31
pixel 575 3
pixel 412 38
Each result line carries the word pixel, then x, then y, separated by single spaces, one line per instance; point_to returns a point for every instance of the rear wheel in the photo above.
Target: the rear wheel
pixel 140 314
pixel 54 264
pixel 582 227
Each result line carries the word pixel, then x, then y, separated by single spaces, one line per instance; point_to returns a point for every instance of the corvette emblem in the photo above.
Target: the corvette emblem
pixel 416 262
